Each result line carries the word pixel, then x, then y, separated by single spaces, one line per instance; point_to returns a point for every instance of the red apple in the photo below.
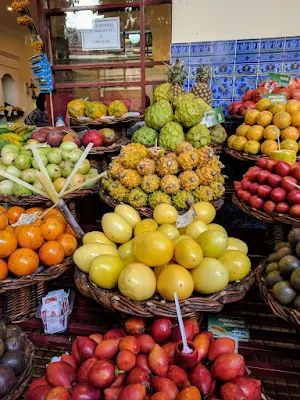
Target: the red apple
pixel 253 187
pixel 282 208
pixel 286 185
pixel 263 191
pixel 269 206
pixel 278 195
pixel 252 173
pixel 270 165
pixel 258 93
pixel 274 180
pixel 293 196
pixel 246 106
pixel 296 172
pixel 246 184
pixel 295 210
pixel 239 193
pixel 93 136
pixel 234 107
pixel 256 202
pixel 283 168
pixel 72 137
pixel 262 162
pixel 263 176
pixel 245 196
pixel 237 185
pixel 247 95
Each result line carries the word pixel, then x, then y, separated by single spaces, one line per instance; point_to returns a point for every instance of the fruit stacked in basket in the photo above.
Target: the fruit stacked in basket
pixel 47 241
pixel 136 363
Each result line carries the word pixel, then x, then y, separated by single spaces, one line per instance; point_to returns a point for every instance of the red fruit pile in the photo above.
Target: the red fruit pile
pixel 269 187
pixel 141 364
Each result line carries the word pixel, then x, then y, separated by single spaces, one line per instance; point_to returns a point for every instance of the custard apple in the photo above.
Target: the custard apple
pixel 159 114
pixel 163 92
pixel 170 136
pixel 203 104
pixel 199 136
pixel 189 112
pixel 179 99
pixel 145 136
pixel 218 135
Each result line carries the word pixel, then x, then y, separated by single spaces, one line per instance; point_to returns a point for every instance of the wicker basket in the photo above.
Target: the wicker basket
pixel 156 306
pixel 239 155
pixel 146 211
pixel 20 297
pixel 286 313
pixel 25 377
pixel 98 122
pixel 269 218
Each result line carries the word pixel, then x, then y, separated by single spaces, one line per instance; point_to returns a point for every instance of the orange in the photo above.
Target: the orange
pixel 70 230
pixel 3 221
pixel 189 393
pixel 10 229
pixel 3 270
pixel 23 262
pixel 51 253
pixel 17 229
pixel 37 222
pixel 296 119
pixel 33 210
pixel 69 243
pixel 14 213
pixel 54 213
pixel 3 210
pixel 290 133
pixel 8 243
pixel 52 229
pixel 268 146
pixel 30 237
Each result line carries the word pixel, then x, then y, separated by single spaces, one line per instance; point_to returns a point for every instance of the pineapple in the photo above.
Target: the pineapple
pixel 157 198
pixel 166 166
pixel 201 88
pixel 170 184
pixel 183 200
pixel 137 198
pixel 189 180
pixel 146 166
pixel 183 147
pixel 132 154
pixel 115 170
pixel 204 193
pixel 218 190
pixel 206 175
pixel 150 183
pixel 177 75
pixel 215 164
pixel 130 178
pixel 205 154
pixel 188 160
pixel 106 182
pixel 117 191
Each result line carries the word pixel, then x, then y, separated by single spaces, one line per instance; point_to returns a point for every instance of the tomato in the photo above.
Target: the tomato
pixel 137 281
pixel 30 236
pixel 175 278
pixel 23 262
pixel 51 253
pixel 237 263
pixel 210 276
pixel 8 243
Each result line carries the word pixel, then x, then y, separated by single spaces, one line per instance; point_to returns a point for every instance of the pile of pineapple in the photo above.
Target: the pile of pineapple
pixel 145 177
pixel 176 117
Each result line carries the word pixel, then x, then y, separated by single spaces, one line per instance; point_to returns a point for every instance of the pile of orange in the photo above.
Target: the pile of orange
pixel 47 241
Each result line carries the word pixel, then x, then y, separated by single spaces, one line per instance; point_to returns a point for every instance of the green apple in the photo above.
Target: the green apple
pixel 66 168
pixel 44 161
pixel 54 156
pixel 54 171
pixel 68 146
pixel 29 175
pixel 85 167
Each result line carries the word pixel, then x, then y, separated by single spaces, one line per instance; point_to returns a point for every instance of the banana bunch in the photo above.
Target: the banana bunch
pixel 16 134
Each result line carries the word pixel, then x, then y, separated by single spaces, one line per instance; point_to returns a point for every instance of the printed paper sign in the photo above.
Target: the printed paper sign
pixel 186 218
pixel 105 35
pixel 277 80
pixel 213 117
pixel 26 219
pixel 221 326
pixel 275 97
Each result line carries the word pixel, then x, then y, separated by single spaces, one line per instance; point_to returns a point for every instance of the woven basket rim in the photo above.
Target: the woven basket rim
pixel 287 313
pixel 47 274
pixel 239 155
pixel 157 306
pixel 146 211
pixel 25 377
pixel 76 121
pixel 270 218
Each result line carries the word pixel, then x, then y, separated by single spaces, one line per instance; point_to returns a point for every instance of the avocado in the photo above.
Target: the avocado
pixel 280 245
pixel 272 278
pixel 287 264
pixel 284 251
pixel 15 359
pixel 294 237
pixel 298 250
pixel 297 303
pixel 295 278
pixel 7 380
pixel 284 292
pixel 2 348
pixel 272 257
pixel 272 267
pixel 15 342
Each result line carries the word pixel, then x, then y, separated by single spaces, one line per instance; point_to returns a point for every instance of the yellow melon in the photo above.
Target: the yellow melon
pixel 251 117
pixel 242 130
pixel 255 132
pixel 290 133
pixel 268 146
pixel 282 120
pixel 271 132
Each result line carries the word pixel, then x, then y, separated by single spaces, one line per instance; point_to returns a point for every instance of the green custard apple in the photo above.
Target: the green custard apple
pixel 171 135
pixel 159 114
pixel 163 92
pixel 145 136
pixel 199 136
pixel 189 112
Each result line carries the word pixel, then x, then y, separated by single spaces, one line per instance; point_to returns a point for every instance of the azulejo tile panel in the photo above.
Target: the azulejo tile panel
pixel 239 65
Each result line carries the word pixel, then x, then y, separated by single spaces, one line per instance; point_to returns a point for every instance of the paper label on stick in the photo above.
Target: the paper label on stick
pixel 27 219
pixel 276 80
pixel 186 218
pixel 275 97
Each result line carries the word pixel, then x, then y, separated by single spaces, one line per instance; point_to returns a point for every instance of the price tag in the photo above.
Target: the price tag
pixel 277 80
pixel 2 113
pixel 275 97
pixel 15 112
pixel 132 114
pixel 186 218
pixel 213 117
pixel 27 219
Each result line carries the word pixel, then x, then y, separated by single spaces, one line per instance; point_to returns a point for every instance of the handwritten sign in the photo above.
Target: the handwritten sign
pixel 105 35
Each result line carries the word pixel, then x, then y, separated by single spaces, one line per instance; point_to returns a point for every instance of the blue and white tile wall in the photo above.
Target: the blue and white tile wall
pixel 238 65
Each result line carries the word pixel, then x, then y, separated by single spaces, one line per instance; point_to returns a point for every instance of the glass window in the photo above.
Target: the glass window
pixel 156 73
pixel 81 3
pixel 98 75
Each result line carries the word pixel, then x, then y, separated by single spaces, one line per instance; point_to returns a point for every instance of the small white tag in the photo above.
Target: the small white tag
pixel 27 219
pixel 38 146
pixel 132 114
pixel 2 113
pixel 15 112
pixel 186 218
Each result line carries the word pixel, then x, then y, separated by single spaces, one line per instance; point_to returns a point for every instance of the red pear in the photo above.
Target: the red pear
pixel 227 366
pixel 158 361
pixel 138 375
pixel 36 382
pixel 221 346
pixel 112 393
pixel 86 347
pixel 97 337
pixel 189 331
pixel 83 391
pixel 283 168
pixel 108 348
pixel 38 393
pixel 120 381
pixel 201 378
pixel 250 387
pixel 83 372
pixel 261 163
pixel 230 391
pixel 142 361
pixel 61 374
pixel 126 360
pixel 274 180
pixel 178 376
pixel 253 187
pixel 165 385
pixel 146 343
pixel 75 353
pixel 58 393
pixel 161 330
pixel 70 360
pixel 160 396
pixel 102 374
pixel 130 343
pixel 282 208
pixel 135 326
pixel 202 344
pixel 170 349
pixel 115 334
pixel 137 391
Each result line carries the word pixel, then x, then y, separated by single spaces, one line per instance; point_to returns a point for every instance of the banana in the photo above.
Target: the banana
pixel 31 128
pixel 17 137
pixel 16 142
pixel 20 130
pixel 5 129
pixel 16 126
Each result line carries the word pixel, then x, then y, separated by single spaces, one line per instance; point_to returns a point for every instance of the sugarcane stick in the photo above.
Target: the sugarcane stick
pixel 71 220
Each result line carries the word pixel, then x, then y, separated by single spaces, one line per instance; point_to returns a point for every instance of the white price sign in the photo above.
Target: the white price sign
pixel 186 218
pixel 26 219
pixel 105 35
